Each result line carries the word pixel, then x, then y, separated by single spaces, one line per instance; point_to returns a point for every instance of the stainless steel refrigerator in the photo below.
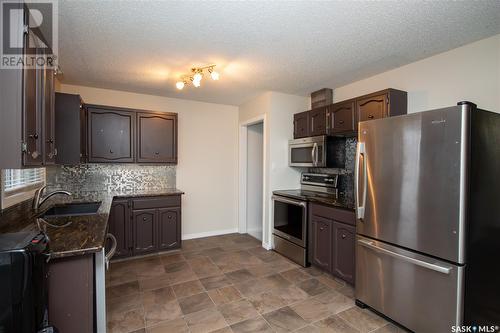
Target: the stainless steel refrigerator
pixel 428 218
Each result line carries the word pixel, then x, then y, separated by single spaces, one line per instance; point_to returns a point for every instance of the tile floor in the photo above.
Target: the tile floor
pixel 230 284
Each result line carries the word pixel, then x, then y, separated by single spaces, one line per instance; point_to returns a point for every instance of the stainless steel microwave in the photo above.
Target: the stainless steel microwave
pixel 317 151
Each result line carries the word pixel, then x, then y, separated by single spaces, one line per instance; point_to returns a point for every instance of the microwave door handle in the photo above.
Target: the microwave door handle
pixel 316 158
pixel 360 208
pixel 312 154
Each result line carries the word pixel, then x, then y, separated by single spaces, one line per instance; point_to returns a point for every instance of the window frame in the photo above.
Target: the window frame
pixel 19 194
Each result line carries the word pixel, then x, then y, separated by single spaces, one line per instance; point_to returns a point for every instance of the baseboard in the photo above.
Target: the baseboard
pixel 267 246
pixel 209 233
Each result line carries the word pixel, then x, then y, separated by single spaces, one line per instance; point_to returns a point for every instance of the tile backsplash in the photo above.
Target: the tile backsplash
pixel 346 182
pixel 85 178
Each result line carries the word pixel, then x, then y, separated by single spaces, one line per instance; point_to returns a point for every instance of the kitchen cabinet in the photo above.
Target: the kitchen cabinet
pixel 168 228
pixel 331 240
pixel 71 129
pixel 119 226
pixel 156 137
pixel 111 134
pixel 321 244
pixel 385 103
pixel 343 252
pixel 301 125
pixel 26 108
pixel 145 224
pixel 341 118
pixel 317 121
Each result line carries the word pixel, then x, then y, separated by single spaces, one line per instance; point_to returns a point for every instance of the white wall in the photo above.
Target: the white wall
pixel 278 109
pixel 208 155
pixel 470 72
pixel 255 179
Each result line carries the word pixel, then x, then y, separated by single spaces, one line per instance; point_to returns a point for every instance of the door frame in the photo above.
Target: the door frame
pixel 243 172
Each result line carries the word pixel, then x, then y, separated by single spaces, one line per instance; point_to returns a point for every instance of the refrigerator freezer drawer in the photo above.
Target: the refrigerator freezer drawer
pixel 419 292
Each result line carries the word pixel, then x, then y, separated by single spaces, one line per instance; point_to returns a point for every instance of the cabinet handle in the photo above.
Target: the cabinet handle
pixel 157 153
pixel 341 122
pixel 50 141
pixel 34 136
pixel 343 236
pixel 144 219
pixel 110 151
pixel 322 228
pixel 169 217
pixel 169 245
pixel 370 116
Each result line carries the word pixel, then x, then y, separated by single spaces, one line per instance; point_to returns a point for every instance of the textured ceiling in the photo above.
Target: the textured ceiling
pixel 290 47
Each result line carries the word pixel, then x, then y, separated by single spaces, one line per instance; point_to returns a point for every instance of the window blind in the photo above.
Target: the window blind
pixel 16 179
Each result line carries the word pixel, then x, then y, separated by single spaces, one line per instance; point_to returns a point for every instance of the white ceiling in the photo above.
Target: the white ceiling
pixel 290 47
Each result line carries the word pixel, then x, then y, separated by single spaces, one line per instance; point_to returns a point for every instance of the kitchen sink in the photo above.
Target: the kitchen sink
pixel 73 209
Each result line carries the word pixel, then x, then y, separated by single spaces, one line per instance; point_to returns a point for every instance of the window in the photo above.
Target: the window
pixel 20 184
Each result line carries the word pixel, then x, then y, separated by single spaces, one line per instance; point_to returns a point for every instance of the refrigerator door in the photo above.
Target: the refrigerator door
pixel 411 181
pixel 419 292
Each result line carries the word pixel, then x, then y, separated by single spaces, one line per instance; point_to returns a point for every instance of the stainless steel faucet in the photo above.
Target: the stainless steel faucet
pixel 37 201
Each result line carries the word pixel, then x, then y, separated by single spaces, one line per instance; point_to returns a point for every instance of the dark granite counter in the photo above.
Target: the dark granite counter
pixel 83 234
pixel 339 201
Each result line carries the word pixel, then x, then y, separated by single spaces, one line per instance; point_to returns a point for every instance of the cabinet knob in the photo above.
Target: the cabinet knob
pixel 370 116
pixel 50 141
pixel 341 121
pixel 144 219
pixel 322 228
pixel 169 217
pixel 343 236
pixel 157 153
pixel 111 151
pixel 34 136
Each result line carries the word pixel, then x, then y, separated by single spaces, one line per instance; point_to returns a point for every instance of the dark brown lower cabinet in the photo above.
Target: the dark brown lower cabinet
pixel 331 240
pixel 71 293
pixel 145 225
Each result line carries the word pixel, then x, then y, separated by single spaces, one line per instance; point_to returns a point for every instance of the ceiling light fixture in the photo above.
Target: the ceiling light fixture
pixel 196 76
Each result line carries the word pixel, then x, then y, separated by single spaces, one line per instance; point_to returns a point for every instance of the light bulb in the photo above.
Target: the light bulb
pixel 215 75
pixel 197 83
pixel 179 85
pixel 197 77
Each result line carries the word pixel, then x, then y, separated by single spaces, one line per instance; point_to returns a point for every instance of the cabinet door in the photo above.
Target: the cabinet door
pixel 111 135
pixel 156 138
pixel 49 140
pixel 374 107
pixel 144 230
pixel 301 125
pixel 341 118
pixel 321 236
pixel 317 121
pixel 343 251
pixel 32 122
pixel 119 226
pixel 168 228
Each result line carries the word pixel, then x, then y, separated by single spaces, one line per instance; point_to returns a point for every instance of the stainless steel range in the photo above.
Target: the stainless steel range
pixel 291 213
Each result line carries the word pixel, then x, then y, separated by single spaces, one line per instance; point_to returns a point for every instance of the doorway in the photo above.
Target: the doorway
pixel 255 179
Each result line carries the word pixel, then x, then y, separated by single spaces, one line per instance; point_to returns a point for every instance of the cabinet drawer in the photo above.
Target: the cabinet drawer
pixel 157 202
pixel 340 215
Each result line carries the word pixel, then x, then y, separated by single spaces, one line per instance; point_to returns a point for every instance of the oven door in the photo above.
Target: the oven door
pixel 307 153
pixel 290 219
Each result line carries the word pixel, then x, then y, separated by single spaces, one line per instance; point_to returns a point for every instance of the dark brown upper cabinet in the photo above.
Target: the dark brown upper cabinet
pixel 26 105
pixel 385 103
pixel 111 135
pixel 341 118
pixel 317 121
pixel 301 125
pixel 71 129
pixel 156 137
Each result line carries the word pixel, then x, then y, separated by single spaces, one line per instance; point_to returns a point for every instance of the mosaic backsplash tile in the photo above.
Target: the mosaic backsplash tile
pixel 346 182
pixel 85 178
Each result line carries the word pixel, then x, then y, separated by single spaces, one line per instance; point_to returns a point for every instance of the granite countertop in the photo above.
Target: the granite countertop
pixel 85 234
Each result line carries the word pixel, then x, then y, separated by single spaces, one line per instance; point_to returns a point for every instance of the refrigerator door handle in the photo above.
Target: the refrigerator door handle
pixel 360 209
pixel 431 266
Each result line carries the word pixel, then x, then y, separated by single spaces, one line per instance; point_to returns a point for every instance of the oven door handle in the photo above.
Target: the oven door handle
pixel 289 201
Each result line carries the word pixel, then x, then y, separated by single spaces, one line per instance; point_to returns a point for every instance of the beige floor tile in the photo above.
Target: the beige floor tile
pixel 291 294
pixel 154 283
pixel 188 288
pixel 208 320
pixel 240 275
pixel 172 258
pixel 123 303
pixel 195 303
pixel 124 289
pixel 173 326
pixel 127 321
pixel 267 301
pixel 158 312
pixel 215 282
pixel 237 311
pixel 284 320
pixel 362 320
pixel 313 287
pixel 157 296
pixel 224 295
pixel 311 310
pixel 253 325
pixel 335 301
pixel 204 267
pixel 335 324
pixel 295 275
